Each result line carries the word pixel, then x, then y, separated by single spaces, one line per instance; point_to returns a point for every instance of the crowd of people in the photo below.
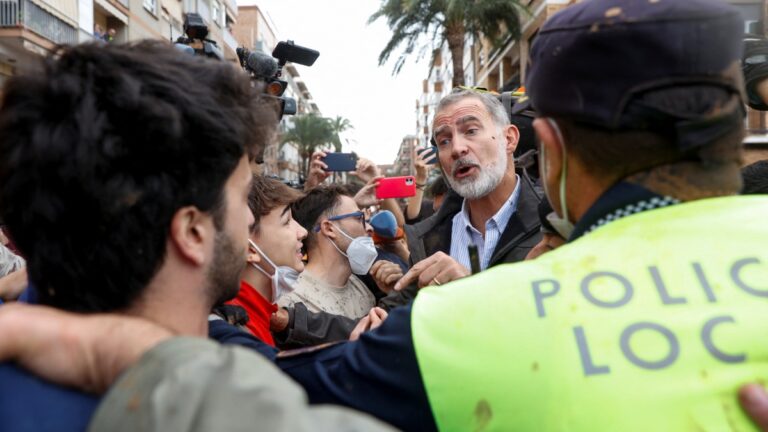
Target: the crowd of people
pixel 590 256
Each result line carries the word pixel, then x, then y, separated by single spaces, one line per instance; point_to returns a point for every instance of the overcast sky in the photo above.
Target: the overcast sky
pixel 346 79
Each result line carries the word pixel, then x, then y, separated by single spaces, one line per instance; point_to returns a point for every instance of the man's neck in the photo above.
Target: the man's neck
pixel 182 316
pixel 329 266
pixel 691 180
pixel 258 281
pixel 482 209
pixel 171 301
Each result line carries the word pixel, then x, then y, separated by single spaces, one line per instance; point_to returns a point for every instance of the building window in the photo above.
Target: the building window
pixel 753 14
pixel 150 5
pixel 216 7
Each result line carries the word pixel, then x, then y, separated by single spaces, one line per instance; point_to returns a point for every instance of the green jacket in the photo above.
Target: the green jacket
pixel 649 323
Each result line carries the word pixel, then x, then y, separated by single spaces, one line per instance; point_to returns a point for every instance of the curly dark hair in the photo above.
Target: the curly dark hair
pixel 100 149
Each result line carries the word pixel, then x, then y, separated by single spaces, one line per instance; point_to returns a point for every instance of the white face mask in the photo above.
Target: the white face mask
pixel 283 279
pixel 561 224
pixel 361 253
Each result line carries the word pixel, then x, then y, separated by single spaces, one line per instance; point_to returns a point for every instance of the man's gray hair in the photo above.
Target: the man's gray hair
pixel 491 102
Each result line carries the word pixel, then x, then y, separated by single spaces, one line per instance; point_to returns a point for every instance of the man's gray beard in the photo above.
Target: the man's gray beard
pixel 487 179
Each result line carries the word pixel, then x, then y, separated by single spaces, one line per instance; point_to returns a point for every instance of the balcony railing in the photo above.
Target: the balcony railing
pixel 24 13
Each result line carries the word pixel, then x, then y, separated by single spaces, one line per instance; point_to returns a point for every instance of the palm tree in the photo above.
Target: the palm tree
pixel 448 21
pixel 339 124
pixel 309 132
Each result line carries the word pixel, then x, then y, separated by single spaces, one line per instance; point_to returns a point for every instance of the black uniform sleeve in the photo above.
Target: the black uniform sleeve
pixel 307 328
pixel 228 334
pixel 378 374
pixel 399 298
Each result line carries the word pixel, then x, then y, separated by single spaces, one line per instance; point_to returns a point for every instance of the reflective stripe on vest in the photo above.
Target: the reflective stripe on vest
pixel 649 323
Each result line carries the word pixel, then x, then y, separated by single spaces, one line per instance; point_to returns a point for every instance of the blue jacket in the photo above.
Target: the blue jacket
pixel 30 404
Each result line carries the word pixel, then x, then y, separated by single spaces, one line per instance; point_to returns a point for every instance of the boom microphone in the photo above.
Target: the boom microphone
pixel 263 65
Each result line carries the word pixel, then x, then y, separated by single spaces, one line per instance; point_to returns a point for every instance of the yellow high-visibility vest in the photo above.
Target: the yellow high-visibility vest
pixel 649 323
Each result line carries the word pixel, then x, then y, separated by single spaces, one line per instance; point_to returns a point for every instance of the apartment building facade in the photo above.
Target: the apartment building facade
pixel 30 29
pixel 404 161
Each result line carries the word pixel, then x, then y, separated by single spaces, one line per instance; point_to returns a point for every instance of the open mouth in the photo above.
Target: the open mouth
pixel 464 171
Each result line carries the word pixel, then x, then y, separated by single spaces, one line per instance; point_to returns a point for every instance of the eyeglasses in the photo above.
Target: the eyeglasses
pixel 358 215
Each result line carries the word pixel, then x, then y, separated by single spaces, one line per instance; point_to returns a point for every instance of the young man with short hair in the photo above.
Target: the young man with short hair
pixel 338 249
pixel 275 256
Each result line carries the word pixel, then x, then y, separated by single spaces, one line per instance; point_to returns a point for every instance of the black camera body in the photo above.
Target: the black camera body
pixel 195 39
pixel 268 69
pixel 260 66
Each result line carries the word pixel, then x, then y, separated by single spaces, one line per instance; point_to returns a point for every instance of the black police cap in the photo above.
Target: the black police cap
pixel 590 60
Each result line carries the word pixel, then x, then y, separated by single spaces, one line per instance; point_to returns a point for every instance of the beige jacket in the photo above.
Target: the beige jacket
pixel 191 384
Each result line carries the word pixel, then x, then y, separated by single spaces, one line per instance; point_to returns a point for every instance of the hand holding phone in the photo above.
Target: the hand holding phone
pixel 428 155
pixel 396 187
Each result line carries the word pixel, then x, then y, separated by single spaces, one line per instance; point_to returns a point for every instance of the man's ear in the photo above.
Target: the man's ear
pixel 191 232
pixel 550 159
pixel 252 257
pixel 512 136
pixel 327 228
pixel 552 146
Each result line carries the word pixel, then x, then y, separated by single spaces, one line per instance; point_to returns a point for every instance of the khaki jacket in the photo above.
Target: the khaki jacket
pixel 191 384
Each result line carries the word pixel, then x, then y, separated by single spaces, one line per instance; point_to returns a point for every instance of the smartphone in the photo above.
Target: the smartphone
pixel 396 187
pixel 429 154
pixel 340 161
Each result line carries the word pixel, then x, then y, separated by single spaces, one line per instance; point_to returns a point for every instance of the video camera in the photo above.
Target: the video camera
pixel 268 69
pixel 195 40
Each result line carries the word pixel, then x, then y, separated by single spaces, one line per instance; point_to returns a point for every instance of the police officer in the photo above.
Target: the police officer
pixel 647 319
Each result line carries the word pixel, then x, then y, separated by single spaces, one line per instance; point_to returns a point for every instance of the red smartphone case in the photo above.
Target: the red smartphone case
pixel 396 187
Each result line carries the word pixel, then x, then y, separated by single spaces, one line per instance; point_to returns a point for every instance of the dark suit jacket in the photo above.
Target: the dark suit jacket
pixel 434 234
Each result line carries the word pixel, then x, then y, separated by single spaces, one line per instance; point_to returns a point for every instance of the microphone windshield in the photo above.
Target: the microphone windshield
pixel 262 65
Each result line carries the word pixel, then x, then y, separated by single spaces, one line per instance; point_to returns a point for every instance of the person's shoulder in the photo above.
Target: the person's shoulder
pixel 56 408
pixel 298 294
pixel 359 293
pixel 228 334
pixel 451 206
pixel 304 281
pixel 355 282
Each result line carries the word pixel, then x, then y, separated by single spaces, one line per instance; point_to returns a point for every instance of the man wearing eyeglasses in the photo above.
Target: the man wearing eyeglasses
pixel 338 248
